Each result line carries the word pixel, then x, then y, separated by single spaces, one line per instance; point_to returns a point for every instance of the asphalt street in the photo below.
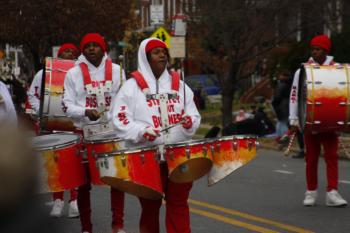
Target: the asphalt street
pixel 263 196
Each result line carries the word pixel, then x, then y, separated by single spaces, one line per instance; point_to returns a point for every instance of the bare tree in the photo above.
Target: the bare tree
pixel 40 24
pixel 233 34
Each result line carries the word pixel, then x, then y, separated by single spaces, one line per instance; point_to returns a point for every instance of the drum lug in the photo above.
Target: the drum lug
pixel 250 145
pixel 188 153
pixel 218 147
pixel 344 103
pixel 235 145
pixel 93 154
pixel 142 159
pixel 212 149
pixel 340 122
pixel 205 151
pixel 157 155
pixel 318 82
pixel 342 83
pixel 105 162
pixel 318 103
pixel 123 160
pixel 257 144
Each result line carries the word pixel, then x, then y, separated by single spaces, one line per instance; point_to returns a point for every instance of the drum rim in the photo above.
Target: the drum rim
pixel 126 151
pixel 238 136
pixel 62 145
pixel 187 143
pixel 98 141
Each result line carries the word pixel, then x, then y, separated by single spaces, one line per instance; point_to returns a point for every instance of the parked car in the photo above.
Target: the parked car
pixel 207 82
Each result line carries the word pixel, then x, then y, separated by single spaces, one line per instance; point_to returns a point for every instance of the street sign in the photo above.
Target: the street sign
pixel 178 27
pixel 163 35
pixel 157 14
pixel 177 47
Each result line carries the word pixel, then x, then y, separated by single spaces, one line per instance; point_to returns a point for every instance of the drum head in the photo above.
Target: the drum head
pixel 54 141
pixel 106 137
pixel 302 97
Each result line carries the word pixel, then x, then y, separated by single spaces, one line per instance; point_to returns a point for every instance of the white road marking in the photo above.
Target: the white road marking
pixel 284 172
pixel 344 181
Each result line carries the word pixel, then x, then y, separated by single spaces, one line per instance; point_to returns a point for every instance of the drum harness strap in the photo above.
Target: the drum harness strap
pixel 100 90
pixel 162 98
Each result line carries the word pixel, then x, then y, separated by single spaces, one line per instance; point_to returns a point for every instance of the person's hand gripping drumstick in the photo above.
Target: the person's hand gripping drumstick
pixel 291 140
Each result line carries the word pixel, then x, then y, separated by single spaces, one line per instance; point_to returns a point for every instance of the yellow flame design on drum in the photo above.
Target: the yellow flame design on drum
pixel 327 92
pixel 122 167
pixel 52 171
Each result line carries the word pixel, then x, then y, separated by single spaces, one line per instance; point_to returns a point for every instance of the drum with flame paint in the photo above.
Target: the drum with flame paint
pixel 96 144
pixel 188 161
pixel 229 154
pixel 324 98
pixel 135 171
pixel 60 162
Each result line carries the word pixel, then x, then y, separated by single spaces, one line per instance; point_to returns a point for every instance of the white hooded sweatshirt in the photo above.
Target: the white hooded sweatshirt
pixel 293 102
pixel 7 109
pixel 34 91
pixel 75 96
pixel 131 113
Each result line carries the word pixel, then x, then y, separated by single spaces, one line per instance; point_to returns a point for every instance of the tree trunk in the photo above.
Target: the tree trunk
pixel 228 89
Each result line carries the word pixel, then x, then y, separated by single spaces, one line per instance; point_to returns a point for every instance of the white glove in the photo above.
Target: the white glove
pixel 294 122
pixel 150 133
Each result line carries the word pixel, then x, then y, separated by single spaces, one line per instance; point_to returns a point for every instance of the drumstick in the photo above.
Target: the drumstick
pixel 167 128
pixel 100 113
pixel 291 140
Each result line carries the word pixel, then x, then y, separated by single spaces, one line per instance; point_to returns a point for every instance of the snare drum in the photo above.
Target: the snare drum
pixel 188 161
pixel 54 116
pixel 59 161
pixel 323 98
pixel 103 143
pixel 135 171
pixel 229 154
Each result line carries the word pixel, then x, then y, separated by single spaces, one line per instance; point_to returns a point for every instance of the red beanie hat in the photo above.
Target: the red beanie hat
pixel 93 37
pixel 68 46
pixel 322 41
pixel 154 44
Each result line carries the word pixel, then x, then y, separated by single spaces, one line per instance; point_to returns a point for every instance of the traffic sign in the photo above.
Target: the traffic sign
pixel 163 35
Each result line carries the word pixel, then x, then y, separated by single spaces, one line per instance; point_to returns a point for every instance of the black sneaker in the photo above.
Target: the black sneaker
pixel 300 155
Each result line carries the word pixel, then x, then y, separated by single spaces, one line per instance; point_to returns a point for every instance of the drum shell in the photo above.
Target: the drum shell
pixel 61 168
pixel 54 116
pixel 96 147
pixel 135 172
pixel 188 161
pixel 229 154
pixel 323 98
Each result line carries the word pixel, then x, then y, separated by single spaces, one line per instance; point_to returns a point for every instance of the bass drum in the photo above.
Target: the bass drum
pixel 54 111
pixel 323 98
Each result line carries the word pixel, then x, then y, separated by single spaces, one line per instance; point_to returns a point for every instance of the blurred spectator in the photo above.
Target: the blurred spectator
pixel 21 210
pixel 241 116
pixel 198 97
pixel 7 109
pixel 280 102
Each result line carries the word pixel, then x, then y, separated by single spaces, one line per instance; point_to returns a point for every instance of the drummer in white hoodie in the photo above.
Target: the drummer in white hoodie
pixel 139 121
pixel 93 70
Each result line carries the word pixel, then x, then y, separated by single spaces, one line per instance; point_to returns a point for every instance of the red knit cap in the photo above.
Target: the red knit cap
pixel 68 46
pixel 93 37
pixel 322 41
pixel 154 44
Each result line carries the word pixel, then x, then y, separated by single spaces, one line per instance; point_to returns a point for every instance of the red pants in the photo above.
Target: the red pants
pixel 59 195
pixel 177 216
pixel 117 206
pixel 313 143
